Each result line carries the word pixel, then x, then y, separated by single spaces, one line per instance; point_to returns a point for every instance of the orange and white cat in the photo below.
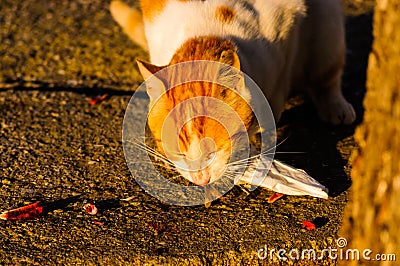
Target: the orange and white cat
pixel 279 43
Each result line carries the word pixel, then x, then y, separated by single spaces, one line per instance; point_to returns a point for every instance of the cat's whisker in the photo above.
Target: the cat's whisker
pixel 230 176
pixel 244 160
pixel 282 141
pixel 266 152
pixel 249 159
pixel 150 151
pixel 152 163
pixel 141 145
pixel 162 158
pixel 235 174
pixel 274 147
pixel 290 152
pixel 157 156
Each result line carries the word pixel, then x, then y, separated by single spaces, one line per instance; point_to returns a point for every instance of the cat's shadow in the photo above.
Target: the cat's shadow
pixel 327 148
pixel 307 143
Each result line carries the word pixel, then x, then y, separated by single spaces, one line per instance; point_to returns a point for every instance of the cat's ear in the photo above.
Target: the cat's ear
pixel 154 85
pixel 231 76
pixel 230 58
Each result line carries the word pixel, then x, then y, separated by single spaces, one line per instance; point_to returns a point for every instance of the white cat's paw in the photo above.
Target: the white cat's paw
pixel 337 111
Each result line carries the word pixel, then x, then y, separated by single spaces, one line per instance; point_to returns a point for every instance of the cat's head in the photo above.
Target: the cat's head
pixel 196 124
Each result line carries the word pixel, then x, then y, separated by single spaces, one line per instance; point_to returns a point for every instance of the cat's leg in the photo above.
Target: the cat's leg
pixel 326 62
pixel 328 98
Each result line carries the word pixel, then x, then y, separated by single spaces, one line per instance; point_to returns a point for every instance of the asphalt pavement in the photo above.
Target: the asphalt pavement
pixel 60 150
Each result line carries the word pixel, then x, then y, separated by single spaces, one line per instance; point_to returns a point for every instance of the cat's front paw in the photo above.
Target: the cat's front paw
pixel 337 111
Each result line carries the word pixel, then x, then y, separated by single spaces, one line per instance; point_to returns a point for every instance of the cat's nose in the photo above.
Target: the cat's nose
pixel 201 177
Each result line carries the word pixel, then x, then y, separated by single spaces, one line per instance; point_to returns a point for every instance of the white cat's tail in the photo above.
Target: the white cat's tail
pixel 130 20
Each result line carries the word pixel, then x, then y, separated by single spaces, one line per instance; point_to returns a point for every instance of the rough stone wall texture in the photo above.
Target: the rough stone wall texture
pixel 372 218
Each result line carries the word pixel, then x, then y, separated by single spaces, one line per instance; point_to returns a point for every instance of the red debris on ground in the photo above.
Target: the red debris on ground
pixel 98 99
pixel 90 208
pixel 274 197
pixel 309 225
pixel 27 212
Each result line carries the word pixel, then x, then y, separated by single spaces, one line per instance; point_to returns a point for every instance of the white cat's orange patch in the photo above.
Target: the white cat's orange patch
pixel 152 8
pixel 225 14
pixel 204 48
